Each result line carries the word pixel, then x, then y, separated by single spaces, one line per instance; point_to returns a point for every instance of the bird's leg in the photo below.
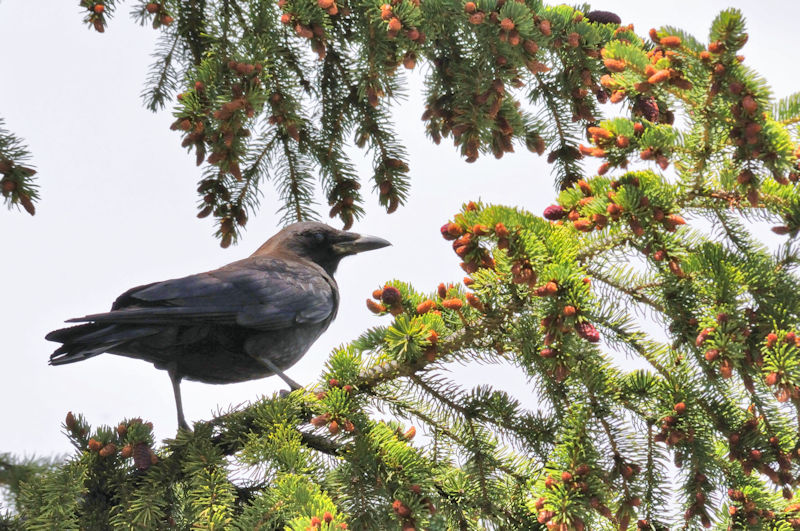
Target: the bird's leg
pixel 294 386
pixel 176 389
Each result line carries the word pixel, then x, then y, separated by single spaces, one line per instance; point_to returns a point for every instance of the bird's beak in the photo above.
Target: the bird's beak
pixel 359 244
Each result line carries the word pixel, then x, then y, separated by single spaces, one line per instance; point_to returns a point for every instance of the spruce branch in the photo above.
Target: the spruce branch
pixel 17 183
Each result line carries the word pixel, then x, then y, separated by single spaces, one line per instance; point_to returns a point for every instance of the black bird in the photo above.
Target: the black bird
pixel 247 320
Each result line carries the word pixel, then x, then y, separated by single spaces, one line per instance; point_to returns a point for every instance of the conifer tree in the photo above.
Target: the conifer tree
pixel 706 435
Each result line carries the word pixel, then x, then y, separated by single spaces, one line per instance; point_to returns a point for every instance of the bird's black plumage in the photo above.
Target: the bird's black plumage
pixel 249 319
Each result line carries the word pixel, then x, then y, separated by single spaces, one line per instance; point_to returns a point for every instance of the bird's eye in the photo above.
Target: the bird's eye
pixel 316 237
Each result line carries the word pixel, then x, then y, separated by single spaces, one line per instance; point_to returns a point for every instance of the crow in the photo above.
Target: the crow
pixel 249 319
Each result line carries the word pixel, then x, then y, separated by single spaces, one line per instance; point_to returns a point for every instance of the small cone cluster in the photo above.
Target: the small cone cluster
pixel 673 428
pixel 467 239
pixel 334 424
pixel 405 513
pixel 663 70
pixel 96 16
pixel 161 16
pixel 779 352
pixel 575 481
pixel 313 31
pixel 645 215
pixel 326 521
pixel 13 178
pixel 388 299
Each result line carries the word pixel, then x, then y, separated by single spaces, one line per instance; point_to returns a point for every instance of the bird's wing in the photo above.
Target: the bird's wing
pixel 261 293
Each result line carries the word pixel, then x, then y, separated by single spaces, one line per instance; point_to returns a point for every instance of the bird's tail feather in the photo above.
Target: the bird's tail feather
pixel 88 340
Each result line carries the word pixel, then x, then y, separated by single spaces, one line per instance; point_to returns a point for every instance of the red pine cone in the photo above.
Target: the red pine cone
pixel 613 209
pixel 614 65
pixel 703 335
pixel 544 27
pixel 726 368
pixel 475 302
pixel 400 508
pixel 476 18
pixel 749 104
pixel 549 289
pixel 426 306
pixel 671 41
pixel 507 24
pixel 781 230
pixel 320 420
pixel 375 307
pixel 554 212
pixel 442 290
pixel 452 304
pixel 70 421
pixel 480 230
pixel 109 449
pixel 451 231
pixel 588 332
pixel 501 231
pixel 772 338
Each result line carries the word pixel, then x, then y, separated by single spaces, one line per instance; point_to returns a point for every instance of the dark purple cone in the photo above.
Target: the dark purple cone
pixel 603 17
pixel 141 456
pixel 649 108
pixel 390 296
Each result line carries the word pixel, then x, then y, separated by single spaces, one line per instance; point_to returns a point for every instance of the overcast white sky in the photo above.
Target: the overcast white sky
pixel 118 210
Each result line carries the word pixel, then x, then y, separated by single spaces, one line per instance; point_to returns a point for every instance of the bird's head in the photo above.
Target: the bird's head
pixel 319 243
